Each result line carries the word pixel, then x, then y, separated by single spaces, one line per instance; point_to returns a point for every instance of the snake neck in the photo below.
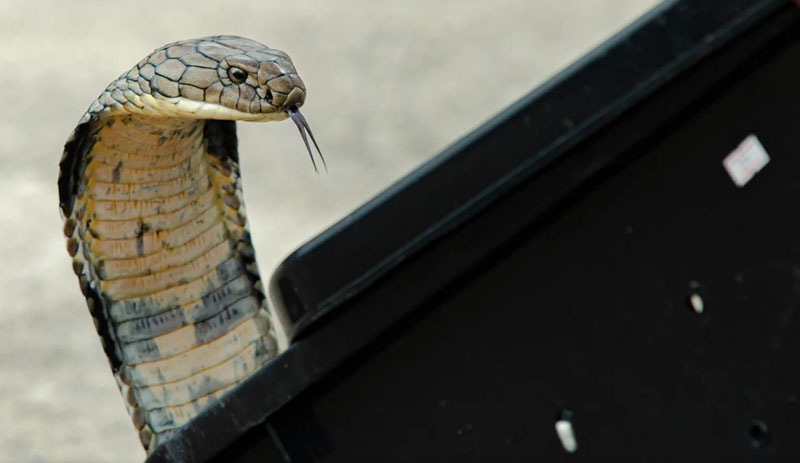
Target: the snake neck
pixel 160 243
pixel 152 136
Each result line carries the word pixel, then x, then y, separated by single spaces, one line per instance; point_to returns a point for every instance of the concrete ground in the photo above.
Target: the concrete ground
pixel 391 84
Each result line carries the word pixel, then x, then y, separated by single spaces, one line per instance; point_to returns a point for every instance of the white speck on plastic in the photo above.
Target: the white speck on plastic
pixel 746 160
pixel 566 435
pixel 697 303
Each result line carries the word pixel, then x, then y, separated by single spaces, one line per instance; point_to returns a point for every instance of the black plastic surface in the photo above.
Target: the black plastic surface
pixel 588 310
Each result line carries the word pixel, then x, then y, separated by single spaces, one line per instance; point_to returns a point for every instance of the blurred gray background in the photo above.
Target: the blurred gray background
pixel 390 85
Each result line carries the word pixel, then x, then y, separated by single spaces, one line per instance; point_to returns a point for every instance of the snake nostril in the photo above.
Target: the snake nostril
pixel 268 96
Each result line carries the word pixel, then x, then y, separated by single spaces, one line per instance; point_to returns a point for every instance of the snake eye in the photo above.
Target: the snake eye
pixel 237 75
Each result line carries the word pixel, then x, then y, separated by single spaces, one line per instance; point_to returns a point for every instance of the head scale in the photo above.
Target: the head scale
pixel 233 72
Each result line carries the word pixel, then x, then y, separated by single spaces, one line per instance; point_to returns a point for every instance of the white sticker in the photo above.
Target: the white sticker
pixel 746 160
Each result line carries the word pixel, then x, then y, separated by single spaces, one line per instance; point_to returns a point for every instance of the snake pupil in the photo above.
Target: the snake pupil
pixel 268 96
pixel 237 75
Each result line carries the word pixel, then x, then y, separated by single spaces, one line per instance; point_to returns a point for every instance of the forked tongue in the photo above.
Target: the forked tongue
pixel 302 126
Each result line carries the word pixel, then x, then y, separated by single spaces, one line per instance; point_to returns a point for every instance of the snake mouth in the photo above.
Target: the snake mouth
pixel 303 127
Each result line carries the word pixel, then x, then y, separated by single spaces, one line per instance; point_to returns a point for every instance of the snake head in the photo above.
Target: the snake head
pixel 219 77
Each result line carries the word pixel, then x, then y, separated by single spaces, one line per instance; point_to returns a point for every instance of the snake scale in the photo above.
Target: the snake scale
pixel 151 195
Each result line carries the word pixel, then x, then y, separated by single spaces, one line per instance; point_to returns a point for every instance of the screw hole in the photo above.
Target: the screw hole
pixel 564 414
pixel 758 434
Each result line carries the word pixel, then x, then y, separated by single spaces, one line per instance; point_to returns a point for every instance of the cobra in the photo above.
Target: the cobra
pixel 151 195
